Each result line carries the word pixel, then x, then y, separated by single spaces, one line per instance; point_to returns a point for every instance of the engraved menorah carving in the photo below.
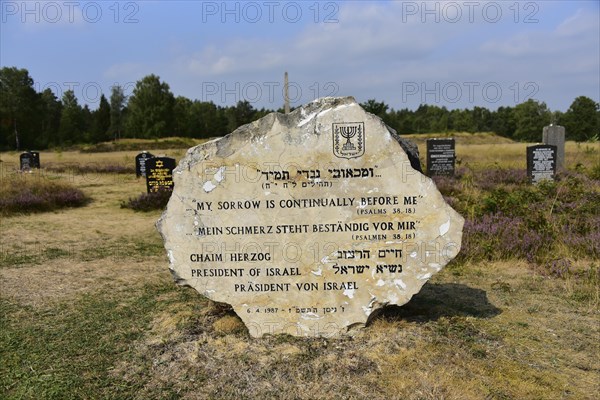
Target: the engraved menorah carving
pixel 348 132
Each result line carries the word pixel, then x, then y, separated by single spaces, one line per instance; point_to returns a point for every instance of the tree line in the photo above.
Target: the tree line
pixel 39 120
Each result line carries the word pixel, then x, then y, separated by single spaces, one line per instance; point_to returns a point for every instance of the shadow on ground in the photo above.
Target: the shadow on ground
pixel 437 300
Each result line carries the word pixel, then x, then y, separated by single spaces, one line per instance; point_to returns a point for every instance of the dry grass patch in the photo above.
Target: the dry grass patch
pixel 476 331
pixel 56 280
pixel 229 324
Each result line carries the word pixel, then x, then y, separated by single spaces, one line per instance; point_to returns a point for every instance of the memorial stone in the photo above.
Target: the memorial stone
pixel 440 157
pixel 140 163
pixel 307 223
pixel 541 162
pixel 36 159
pixel 159 173
pixel 555 135
pixel 27 161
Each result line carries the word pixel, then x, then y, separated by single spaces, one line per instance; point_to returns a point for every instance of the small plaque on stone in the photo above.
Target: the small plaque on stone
pixel 541 162
pixel 440 157
pixel 159 174
pixel 140 163
pixel 307 223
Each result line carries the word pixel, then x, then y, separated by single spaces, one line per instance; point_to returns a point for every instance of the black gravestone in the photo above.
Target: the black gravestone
pixel 140 163
pixel 36 159
pixel 27 161
pixel 440 157
pixel 541 162
pixel 159 174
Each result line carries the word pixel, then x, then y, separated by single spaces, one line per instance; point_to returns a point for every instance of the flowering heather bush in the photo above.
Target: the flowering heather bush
pixel 488 179
pixel 24 195
pixel 149 201
pixel 499 236
pixel 583 236
pixel 447 185
pixel 506 217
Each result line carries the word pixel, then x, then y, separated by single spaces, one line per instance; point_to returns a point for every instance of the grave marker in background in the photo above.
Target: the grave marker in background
pixel 36 159
pixel 159 173
pixel 308 222
pixel 555 135
pixel 140 163
pixel 541 162
pixel 440 157
pixel 27 161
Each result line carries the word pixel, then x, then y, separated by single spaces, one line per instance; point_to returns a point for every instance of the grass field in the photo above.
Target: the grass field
pixel 88 308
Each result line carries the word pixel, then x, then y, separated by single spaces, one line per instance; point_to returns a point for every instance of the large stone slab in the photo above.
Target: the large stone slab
pixel 307 223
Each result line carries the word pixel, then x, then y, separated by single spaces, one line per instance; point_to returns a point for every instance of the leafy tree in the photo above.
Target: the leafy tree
pixel 71 120
pixel 183 118
pixel 530 119
pixel 208 120
pixel 463 121
pixel 150 109
pixel 242 113
pixel 482 118
pixel 374 107
pixel 437 119
pixel 99 129
pixel 420 119
pixel 503 122
pixel 117 105
pixel 50 112
pixel 582 119
pixel 86 124
pixel 18 101
pixel 402 121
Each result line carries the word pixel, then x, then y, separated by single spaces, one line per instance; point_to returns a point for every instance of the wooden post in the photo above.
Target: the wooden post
pixel 286 93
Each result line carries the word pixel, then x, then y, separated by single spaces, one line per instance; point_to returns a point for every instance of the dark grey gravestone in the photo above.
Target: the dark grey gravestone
pixel 36 159
pixel 555 135
pixel 159 174
pixel 27 161
pixel 140 163
pixel 541 162
pixel 440 157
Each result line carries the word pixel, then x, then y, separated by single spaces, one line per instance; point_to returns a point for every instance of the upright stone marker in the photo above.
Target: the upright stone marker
pixel 27 161
pixel 555 135
pixel 140 163
pixel 440 157
pixel 159 173
pixel 36 159
pixel 541 162
pixel 308 222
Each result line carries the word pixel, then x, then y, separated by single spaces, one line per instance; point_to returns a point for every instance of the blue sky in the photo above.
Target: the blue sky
pixel 457 54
